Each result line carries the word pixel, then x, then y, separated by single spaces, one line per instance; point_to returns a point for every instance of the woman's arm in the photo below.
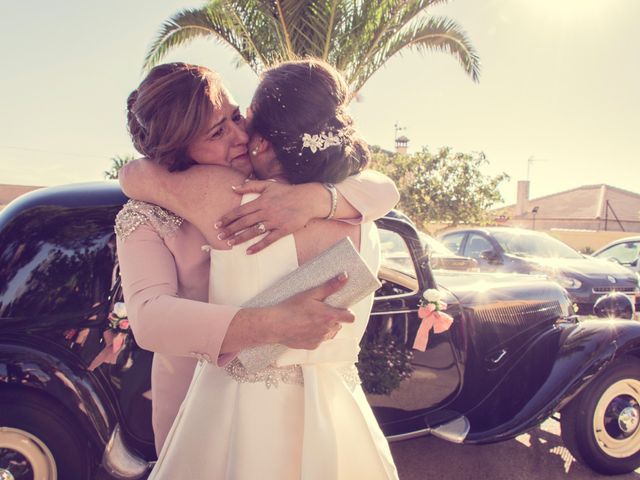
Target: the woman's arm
pixel 160 320
pixel 198 194
pixel 371 193
pixel 165 323
pixel 283 209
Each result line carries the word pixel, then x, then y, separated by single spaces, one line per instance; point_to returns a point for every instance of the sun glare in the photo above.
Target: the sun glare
pixel 568 9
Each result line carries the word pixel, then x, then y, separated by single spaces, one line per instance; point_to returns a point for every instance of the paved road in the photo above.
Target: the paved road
pixel 538 454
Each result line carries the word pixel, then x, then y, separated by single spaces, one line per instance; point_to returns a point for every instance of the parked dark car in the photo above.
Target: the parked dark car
pixel 625 251
pixel 515 353
pixel 440 257
pixel 506 249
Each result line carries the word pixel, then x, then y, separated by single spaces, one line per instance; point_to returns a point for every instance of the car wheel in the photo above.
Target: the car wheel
pixel 39 439
pixel 601 426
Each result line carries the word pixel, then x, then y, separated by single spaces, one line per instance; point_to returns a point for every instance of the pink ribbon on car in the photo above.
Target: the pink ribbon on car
pixel 113 339
pixel 432 317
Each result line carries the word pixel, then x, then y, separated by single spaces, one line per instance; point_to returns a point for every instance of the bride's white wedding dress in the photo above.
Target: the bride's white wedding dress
pixel 306 418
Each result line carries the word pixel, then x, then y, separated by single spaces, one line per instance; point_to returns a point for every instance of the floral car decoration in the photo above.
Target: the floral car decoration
pixel 432 314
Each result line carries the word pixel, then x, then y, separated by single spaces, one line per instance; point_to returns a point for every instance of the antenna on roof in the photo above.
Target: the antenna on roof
pixel 530 162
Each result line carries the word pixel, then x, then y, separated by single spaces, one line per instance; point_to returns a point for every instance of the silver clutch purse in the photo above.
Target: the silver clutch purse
pixel 342 257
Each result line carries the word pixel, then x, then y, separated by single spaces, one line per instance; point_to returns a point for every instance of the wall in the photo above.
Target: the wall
pixel 582 239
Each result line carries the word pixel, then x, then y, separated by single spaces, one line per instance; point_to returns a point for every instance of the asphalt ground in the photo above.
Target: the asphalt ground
pixel 538 454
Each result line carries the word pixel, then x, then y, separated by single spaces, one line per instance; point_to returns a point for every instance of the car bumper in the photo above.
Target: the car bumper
pixel 120 462
pixel 586 299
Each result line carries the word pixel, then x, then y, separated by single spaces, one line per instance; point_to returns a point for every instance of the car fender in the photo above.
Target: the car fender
pixel 47 368
pixel 554 368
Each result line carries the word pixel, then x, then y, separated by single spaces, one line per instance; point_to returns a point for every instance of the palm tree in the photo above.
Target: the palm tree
pixel 356 36
pixel 117 162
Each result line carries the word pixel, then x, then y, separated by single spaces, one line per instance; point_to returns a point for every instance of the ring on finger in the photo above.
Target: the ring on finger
pixel 260 227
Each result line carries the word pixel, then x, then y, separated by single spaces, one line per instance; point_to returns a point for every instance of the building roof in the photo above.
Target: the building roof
pixel 9 192
pixel 586 202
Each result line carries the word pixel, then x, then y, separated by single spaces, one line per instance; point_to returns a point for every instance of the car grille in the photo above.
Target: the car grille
pixel 602 290
pixel 520 314
pixel 500 323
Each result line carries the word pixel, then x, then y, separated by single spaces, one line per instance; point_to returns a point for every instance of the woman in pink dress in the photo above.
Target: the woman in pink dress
pixel 179 117
pixel 304 415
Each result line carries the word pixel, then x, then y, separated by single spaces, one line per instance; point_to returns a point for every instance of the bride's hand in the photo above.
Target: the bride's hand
pixel 280 210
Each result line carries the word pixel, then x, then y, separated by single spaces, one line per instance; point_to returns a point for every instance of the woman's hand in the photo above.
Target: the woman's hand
pixel 305 321
pixel 302 321
pixel 280 210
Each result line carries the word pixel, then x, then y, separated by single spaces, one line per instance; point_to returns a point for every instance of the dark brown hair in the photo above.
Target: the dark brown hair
pixel 170 107
pixel 308 96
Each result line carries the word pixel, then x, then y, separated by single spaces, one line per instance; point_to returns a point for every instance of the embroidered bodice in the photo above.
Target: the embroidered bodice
pixel 135 213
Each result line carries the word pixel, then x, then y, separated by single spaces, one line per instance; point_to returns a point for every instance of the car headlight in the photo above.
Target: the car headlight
pixel 568 282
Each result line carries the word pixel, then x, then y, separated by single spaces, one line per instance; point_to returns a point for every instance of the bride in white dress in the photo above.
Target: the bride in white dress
pixel 304 416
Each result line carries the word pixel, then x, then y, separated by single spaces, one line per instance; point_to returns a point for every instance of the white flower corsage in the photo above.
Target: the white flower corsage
pixel 431 313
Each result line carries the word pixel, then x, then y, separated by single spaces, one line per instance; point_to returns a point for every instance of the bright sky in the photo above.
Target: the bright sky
pixel 560 84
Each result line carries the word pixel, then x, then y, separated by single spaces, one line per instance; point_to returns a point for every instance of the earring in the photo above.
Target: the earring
pixel 254 152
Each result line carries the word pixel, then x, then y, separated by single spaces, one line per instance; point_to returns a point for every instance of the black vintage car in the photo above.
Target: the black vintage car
pixel 515 354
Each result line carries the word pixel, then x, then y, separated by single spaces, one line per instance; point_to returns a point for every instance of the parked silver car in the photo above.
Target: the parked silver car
pixel 625 251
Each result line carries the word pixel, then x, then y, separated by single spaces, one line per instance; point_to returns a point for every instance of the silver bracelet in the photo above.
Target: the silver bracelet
pixel 331 188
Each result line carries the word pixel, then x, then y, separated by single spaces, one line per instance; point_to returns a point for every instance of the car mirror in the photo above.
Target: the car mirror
pixel 490 256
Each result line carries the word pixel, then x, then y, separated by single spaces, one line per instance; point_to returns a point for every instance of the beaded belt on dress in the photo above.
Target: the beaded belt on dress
pixel 290 374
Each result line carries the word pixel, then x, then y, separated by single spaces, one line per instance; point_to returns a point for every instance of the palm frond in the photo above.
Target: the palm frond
pixel 183 27
pixel 356 36
pixel 441 34
pixel 379 22
pixel 437 34
pixel 236 24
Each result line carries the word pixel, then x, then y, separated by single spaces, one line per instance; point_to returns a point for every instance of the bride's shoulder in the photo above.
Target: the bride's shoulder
pixel 135 213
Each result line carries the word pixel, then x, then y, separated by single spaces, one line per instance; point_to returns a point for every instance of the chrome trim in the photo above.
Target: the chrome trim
pixel 393 312
pixel 408 436
pixel 455 431
pixel 500 355
pixel 119 462
pixel 6 474
pixel 397 296
pixel 625 290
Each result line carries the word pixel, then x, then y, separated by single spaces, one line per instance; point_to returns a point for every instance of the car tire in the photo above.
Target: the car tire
pixel 40 439
pixel 601 426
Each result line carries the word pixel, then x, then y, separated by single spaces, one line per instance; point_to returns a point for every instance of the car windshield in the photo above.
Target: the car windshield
pixel 433 245
pixel 534 245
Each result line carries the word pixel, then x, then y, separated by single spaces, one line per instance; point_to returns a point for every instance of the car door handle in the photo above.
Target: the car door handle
pixel 497 357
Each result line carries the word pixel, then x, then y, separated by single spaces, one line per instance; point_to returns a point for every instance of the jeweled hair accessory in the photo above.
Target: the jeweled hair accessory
pixel 321 141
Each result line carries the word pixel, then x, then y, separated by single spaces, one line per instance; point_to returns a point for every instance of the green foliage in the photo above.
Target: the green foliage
pixel 117 163
pixel 357 37
pixel 443 186
pixel 383 363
